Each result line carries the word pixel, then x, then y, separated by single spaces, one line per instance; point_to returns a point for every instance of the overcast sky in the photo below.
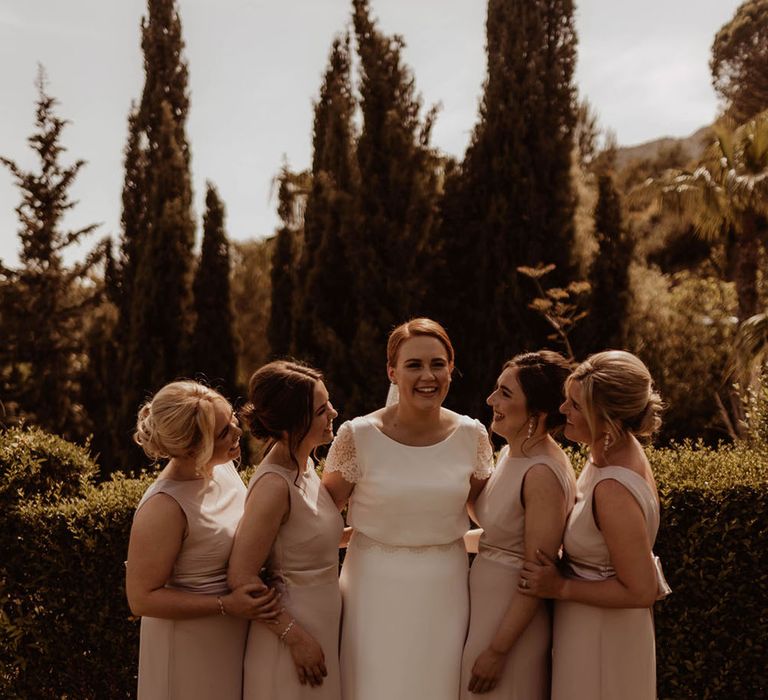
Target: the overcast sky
pixel 256 66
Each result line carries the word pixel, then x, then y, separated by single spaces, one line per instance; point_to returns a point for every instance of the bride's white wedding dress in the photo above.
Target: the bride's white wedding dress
pixel 404 579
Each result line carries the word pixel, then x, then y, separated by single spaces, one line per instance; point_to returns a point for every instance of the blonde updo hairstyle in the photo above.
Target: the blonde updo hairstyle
pixel 617 388
pixel 180 421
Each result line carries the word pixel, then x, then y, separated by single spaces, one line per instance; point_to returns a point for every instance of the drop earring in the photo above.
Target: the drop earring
pixel 607 442
pixel 531 428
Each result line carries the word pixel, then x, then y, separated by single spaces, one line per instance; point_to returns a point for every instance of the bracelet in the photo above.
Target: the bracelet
pixel 287 629
pixel 222 611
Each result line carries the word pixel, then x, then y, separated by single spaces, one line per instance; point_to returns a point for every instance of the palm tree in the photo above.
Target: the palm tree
pixel 725 197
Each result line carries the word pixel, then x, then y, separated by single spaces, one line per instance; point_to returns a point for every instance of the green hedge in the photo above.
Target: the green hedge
pixel 712 632
pixel 66 631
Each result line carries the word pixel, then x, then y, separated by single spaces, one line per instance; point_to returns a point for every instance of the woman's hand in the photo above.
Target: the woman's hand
pixel 253 601
pixel 486 671
pixel 308 657
pixel 541 579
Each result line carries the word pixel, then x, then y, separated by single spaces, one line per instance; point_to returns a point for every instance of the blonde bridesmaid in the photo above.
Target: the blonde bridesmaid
pixel 522 509
pixel 193 628
pixel 603 638
pixel 290 535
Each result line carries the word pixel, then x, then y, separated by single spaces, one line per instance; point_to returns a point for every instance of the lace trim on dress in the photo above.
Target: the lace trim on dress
pixel 342 457
pixel 484 464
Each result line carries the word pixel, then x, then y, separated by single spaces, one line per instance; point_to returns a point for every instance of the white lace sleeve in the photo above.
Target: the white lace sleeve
pixel 342 456
pixel 484 459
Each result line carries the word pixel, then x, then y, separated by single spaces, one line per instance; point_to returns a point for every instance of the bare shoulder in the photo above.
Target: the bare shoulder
pixel 160 508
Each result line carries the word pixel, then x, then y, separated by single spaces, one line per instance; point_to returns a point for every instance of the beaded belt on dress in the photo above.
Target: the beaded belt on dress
pixel 365 542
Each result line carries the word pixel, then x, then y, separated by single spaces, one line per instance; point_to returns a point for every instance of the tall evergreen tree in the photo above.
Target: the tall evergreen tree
pixel 395 201
pixel 325 313
pixel 159 229
pixel 44 302
pixel 609 274
pixel 511 203
pixel 292 194
pixel 213 341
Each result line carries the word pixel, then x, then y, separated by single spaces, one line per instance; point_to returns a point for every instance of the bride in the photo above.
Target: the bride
pixel 407 471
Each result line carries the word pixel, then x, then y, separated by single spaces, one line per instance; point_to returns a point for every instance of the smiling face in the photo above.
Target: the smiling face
pixel 510 410
pixel 321 426
pixel 422 372
pixel 576 426
pixel 227 432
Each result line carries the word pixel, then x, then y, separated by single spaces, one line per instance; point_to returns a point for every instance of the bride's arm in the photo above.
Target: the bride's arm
pixel 339 488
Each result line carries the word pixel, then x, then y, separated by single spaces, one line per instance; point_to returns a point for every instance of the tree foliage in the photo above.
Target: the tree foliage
pixel 213 349
pixel 158 234
pixel 511 203
pixel 44 303
pixel 739 62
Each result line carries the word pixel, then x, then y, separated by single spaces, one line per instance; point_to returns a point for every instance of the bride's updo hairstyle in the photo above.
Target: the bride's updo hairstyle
pixel 280 404
pixel 413 328
pixel 542 378
pixel 179 421
pixel 618 388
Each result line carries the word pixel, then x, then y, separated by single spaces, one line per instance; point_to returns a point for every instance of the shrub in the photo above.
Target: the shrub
pixel 65 629
pixel 712 632
pixel 34 463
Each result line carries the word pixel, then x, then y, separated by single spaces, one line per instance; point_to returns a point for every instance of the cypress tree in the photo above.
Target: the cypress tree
pixel 44 303
pixel 292 193
pixel 395 202
pixel 511 203
pixel 609 274
pixel 325 313
pixel 213 341
pixel 159 230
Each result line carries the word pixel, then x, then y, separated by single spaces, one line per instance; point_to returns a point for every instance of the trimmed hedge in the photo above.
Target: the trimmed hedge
pixel 66 631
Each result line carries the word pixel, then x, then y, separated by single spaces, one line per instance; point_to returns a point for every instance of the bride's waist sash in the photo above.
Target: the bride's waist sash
pixel 309 577
pixel 499 554
pixel 364 542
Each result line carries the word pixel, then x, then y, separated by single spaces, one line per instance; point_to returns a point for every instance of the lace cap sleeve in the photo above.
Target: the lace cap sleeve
pixel 342 456
pixel 484 459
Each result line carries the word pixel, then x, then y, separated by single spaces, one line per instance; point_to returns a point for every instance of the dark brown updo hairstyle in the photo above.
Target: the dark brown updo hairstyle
pixel 413 328
pixel 542 376
pixel 281 401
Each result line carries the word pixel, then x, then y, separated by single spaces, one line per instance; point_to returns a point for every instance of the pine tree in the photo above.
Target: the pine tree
pixel 609 274
pixel 325 312
pixel 213 342
pixel 511 203
pixel 395 202
pixel 45 303
pixel 159 230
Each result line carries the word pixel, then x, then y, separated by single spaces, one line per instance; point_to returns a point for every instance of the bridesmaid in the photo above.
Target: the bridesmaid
pixel 522 509
pixel 193 629
pixel 290 533
pixel 603 639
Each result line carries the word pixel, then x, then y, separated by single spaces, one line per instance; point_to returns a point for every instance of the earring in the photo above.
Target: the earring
pixel 607 442
pixel 531 427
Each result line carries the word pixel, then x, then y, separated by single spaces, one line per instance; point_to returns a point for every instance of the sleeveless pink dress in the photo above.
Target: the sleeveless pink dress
pixel 603 653
pixel 201 658
pixel 305 558
pixel 494 577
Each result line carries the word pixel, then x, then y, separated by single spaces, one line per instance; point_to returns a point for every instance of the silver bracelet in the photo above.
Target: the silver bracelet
pixel 222 611
pixel 287 629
